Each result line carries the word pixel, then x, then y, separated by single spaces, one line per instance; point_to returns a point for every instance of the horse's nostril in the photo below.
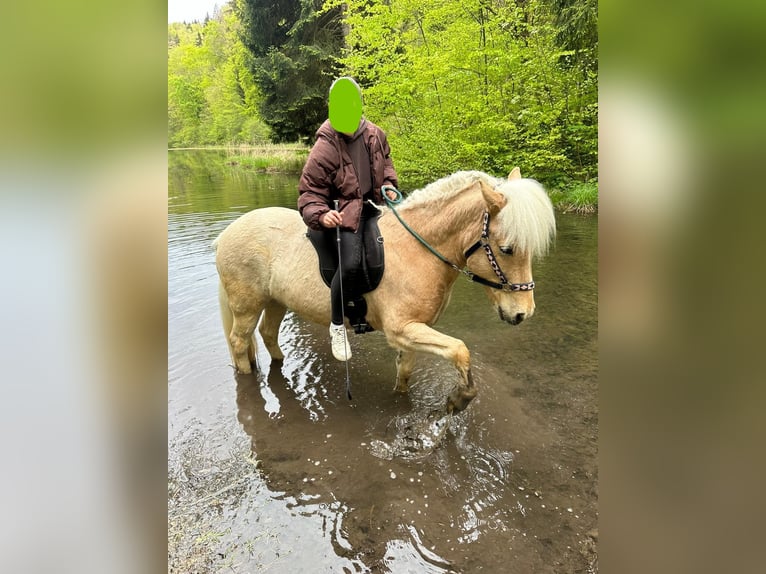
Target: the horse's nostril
pixel 519 317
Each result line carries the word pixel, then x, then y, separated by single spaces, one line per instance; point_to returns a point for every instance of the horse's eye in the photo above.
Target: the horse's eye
pixel 508 250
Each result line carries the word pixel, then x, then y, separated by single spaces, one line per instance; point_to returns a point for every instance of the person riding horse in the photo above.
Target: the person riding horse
pixel 349 163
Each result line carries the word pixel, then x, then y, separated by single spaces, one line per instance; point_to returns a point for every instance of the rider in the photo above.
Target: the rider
pixel 349 162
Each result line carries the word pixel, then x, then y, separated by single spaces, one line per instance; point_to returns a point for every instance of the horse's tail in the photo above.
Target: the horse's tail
pixel 227 317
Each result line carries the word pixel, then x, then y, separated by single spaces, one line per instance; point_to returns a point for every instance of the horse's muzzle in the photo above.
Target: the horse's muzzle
pixel 513 319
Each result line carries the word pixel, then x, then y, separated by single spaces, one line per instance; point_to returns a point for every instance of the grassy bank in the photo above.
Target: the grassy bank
pixel 572 197
pixel 267 158
pixel 273 158
pixel 568 197
pixel 576 197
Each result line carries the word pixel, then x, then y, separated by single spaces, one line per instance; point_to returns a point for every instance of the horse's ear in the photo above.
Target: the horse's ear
pixel 494 199
pixel 515 173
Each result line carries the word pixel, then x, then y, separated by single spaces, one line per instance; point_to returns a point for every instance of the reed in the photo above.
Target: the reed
pixel 580 197
pixel 269 158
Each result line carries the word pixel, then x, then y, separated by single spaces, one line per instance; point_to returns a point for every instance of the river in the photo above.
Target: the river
pixel 278 472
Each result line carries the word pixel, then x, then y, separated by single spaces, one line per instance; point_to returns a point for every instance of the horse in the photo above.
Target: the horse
pixel 267 265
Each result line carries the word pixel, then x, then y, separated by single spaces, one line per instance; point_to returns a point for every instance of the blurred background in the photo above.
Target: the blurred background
pixel 84 289
pixel 681 140
pixel 83 296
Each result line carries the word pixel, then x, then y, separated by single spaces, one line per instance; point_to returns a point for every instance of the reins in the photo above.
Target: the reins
pixel 483 242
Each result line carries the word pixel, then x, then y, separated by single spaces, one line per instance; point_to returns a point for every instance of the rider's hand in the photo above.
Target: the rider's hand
pixel 331 219
pixel 390 193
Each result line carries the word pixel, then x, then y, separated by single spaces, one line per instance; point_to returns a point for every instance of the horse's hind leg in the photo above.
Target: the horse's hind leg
pixel 405 361
pixel 242 342
pixel 227 318
pixel 269 328
pixel 251 356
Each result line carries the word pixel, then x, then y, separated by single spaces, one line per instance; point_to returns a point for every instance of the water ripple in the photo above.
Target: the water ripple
pixel 304 371
pixel 415 436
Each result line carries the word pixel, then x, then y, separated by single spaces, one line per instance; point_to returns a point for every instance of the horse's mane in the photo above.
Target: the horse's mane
pixel 527 221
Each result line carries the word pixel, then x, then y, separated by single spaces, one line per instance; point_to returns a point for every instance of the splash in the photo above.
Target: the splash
pixel 415 437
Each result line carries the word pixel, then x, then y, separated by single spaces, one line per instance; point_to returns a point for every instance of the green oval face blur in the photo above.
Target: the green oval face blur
pixel 345 106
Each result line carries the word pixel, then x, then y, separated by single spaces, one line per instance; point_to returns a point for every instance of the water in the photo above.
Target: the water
pixel 278 472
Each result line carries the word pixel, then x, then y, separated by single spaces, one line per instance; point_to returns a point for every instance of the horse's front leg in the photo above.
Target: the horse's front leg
pixel 419 337
pixel 405 361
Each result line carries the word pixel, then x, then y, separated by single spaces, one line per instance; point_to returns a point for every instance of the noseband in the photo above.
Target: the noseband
pixel 483 241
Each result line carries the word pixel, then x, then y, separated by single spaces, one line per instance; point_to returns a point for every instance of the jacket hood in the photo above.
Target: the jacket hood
pixel 327 130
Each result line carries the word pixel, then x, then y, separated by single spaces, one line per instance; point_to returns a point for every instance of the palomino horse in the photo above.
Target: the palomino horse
pixel 489 229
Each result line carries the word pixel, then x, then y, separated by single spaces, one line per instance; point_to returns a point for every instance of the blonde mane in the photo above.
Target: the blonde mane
pixel 527 221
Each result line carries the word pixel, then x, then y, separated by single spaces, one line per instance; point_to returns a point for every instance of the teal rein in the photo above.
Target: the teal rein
pixel 391 203
pixel 483 242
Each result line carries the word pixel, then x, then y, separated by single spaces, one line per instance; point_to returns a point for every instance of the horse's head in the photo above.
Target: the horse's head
pixel 521 226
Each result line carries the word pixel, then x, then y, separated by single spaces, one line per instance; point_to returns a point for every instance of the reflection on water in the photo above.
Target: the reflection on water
pixel 304 372
pixel 279 471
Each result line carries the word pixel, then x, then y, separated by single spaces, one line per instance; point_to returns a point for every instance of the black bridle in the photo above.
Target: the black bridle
pixel 483 241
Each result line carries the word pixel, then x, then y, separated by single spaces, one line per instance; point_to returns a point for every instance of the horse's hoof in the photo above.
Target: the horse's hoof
pixel 401 387
pixel 245 370
pixel 459 399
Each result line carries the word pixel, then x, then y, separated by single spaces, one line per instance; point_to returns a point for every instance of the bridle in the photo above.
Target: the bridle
pixel 483 242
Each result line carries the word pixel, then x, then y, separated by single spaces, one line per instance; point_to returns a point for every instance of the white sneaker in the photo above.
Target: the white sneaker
pixel 339 341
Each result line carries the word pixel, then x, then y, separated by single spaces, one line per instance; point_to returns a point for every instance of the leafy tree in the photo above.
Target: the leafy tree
pixel 476 84
pixel 294 45
pixel 266 23
pixel 577 36
pixel 576 21
pixel 212 96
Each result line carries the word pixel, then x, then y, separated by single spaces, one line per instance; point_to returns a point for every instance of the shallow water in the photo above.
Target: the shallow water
pixel 278 472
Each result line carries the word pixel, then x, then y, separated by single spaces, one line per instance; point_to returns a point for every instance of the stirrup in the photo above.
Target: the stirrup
pixel 362 328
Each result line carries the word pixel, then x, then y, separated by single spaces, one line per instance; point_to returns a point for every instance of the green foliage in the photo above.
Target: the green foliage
pixel 212 97
pixel 474 85
pixel 580 197
pixel 294 47
pixel 577 31
pixel 270 158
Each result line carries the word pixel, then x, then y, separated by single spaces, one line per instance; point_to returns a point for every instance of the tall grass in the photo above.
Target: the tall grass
pixel 269 158
pixel 580 197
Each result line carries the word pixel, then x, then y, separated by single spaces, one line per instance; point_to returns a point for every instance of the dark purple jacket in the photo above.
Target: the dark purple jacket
pixel 329 174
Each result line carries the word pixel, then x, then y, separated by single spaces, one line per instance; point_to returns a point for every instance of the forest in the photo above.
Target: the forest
pixel 456 84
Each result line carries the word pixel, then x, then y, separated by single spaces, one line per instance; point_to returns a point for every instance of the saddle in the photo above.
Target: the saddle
pixel 373 266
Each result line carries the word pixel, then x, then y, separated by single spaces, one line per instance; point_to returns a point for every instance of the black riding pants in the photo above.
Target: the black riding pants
pixel 352 250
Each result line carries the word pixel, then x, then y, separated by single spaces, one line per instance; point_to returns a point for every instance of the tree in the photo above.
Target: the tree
pixel 294 46
pixel 476 84
pixel 212 96
pixel 576 21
